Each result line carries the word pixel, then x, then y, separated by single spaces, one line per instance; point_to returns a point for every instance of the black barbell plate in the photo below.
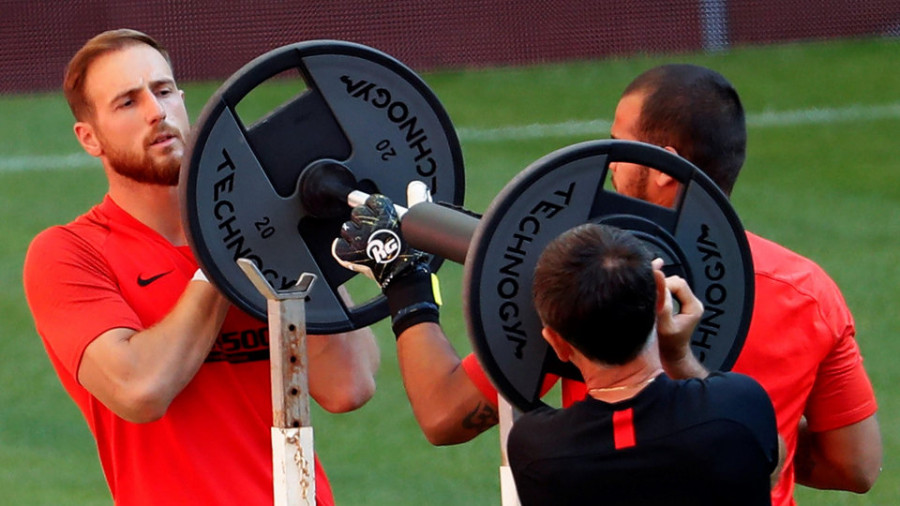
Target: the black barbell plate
pixel 700 238
pixel 357 106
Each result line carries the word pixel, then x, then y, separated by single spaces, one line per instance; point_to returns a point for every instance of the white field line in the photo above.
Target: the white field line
pixel 601 127
pixel 44 162
pixel 598 128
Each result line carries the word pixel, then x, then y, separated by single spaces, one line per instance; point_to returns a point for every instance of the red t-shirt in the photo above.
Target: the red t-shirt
pixel 107 270
pixel 801 348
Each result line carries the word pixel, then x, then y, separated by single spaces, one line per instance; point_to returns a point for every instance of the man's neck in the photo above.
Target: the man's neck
pixel 156 206
pixel 617 383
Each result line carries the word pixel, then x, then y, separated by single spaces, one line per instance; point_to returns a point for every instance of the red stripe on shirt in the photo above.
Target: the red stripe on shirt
pixel 623 428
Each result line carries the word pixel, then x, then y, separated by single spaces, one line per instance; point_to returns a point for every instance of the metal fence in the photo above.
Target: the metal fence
pixel 210 39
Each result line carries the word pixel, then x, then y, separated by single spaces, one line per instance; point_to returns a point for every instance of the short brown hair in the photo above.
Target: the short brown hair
pixel 594 285
pixel 112 40
pixel 698 112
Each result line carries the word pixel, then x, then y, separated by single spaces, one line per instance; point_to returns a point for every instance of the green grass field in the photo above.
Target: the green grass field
pixel 822 177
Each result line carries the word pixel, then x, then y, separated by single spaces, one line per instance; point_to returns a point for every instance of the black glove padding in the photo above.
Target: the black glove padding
pixel 371 243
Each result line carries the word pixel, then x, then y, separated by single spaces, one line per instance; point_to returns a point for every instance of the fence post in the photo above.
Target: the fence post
pixel 293 457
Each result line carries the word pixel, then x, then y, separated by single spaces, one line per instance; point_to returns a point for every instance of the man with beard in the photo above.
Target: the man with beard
pixel 801 345
pixel 172 380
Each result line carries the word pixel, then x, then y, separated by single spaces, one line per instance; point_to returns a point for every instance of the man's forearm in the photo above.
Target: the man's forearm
pixel 138 374
pixel 848 458
pixel 446 404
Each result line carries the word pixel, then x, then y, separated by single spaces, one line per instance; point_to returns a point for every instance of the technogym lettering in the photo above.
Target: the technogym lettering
pixel 398 113
pixel 517 250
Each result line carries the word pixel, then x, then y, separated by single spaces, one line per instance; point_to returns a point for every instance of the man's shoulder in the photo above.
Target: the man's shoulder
pixel 769 255
pixel 726 400
pixel 730 393
pixel 738 397
pixel 776 265
pixel 557 421
pixel 541 415
pixel 734 382
pixel 784 280
pixel 59 249
pixel 87 229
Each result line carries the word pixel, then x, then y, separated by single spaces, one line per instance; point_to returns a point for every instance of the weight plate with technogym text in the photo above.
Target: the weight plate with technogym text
pixel 700 238
pixel 354 105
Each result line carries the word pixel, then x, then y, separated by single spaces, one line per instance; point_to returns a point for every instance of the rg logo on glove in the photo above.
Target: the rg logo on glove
pixel 383 246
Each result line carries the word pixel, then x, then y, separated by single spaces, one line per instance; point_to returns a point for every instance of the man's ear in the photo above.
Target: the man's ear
pixel 665 187
pixel 87 137
pixel 562 348
pixel 662 179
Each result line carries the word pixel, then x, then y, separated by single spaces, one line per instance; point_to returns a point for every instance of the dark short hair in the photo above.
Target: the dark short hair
pixel 76 70
pixel 594 285
pixel 698 112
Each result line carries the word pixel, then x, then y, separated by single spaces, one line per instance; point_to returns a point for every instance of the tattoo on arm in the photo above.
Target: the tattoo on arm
pixel 480 419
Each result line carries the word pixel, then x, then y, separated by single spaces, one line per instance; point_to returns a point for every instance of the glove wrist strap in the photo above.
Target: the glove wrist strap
pixel 411 299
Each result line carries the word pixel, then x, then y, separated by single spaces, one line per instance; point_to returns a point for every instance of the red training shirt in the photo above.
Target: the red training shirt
pixel 107 270
pixel 800 347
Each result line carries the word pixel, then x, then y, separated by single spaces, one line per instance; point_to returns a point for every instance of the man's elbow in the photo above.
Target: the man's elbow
pixel 862 471
pixel 858 476
pixel 146 414
pixel 861 479
pixel 141 406
pixel 349 397
pixel 444 429
pixel 439 437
